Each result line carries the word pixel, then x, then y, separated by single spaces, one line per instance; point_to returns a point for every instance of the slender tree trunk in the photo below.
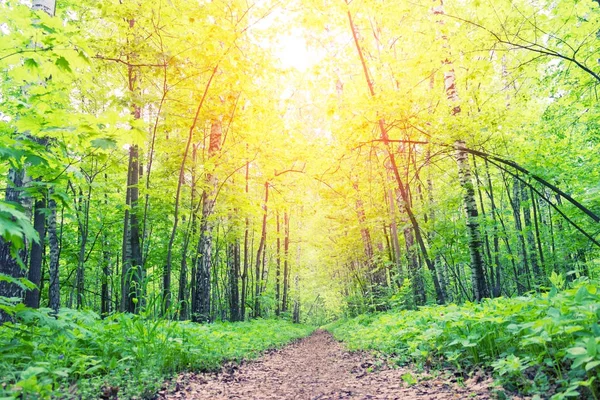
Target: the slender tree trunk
pixel 375 276
pixel 259 253
pixel 439 266
pixel 106 265
pixel 183 272
pixel 132 260
pixel 234 273
pixel 416 277
pixel 54 286
pixel 525 203
pixel 286 257
pixel 32 297
pixel 126 248
pixel 394 236
pixel 246 254
pixel 480 289
pixel 106 273
pixel 536 219
pixel 296 312
pixel 215 126
pixel 84 207
pixel 48 6
pixel 193 274
pixel 278 270
pixel 401 186
pixel 523 271
pixel 497 288
pixel 491 277
pixel 201 302
pixel 137 274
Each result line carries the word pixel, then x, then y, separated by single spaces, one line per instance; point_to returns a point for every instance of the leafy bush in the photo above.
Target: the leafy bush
pixel 79 355
pixel 540 344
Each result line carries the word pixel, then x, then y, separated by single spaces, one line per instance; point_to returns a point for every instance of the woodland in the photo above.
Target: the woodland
pixel 192 182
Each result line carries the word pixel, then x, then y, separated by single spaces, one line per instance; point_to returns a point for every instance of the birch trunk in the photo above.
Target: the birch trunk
pixel 201 302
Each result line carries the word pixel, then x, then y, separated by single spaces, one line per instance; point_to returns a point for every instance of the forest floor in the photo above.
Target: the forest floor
pixel 318 367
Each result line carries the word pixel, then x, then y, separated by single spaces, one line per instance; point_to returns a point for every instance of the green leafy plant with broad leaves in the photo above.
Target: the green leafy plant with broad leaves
pixel 78 355
pixel 540 344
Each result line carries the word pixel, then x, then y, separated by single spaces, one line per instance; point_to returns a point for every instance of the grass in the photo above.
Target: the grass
pixel 78 355
pixel 541 344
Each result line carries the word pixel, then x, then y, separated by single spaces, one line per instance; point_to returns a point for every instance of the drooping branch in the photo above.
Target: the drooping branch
pixel 539 179
pixel 547 200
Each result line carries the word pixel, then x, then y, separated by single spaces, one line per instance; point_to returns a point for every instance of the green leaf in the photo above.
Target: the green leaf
pixel 83 56
pixel 591 347
pixel 577 351
pixel 63 64
pixel 591 365
pixel 104 143
pixel 581 294
pixel 31 64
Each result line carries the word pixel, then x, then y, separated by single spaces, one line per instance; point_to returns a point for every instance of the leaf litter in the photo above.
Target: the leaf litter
pixel 319 368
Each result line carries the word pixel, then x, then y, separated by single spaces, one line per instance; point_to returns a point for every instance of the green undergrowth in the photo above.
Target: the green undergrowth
pixel 78 355
pixel 545 345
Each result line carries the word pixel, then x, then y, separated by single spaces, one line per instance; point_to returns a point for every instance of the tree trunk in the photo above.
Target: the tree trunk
pixel 48 6
pixel 259 254
pixel 136 252
pixel 180 182
pixel 480 289
pixel 9 265
pixel 84 207
pixel 523 270
pixel 439 266
pixel 401 187
pixel 496 290
pixel 490 277
pixel 278 270
pixel 17 178
pixel 525 203
pixel 201 301
pixel 183 272
pixel 125 247
pixel 537 219
pixel 32 297
pixel 376 276
pixel 54 286
pixel 234 273
pixel 246 254
pixel 394 236
pixel 286 269
pixel 296 312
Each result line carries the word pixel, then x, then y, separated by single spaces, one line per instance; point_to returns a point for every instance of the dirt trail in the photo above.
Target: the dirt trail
pixel 318 367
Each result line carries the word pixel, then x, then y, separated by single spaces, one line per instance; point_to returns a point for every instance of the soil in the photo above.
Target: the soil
pixel 319 368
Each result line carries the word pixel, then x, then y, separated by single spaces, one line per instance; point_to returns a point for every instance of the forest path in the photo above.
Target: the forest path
pixel 318 367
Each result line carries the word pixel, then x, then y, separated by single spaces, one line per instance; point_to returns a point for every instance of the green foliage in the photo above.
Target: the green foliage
pixel 78 354
pixel 529 342
pixel 15 226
